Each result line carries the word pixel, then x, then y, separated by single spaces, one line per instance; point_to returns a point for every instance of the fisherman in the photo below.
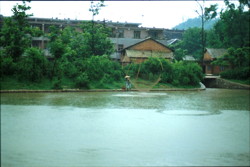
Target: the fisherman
pixel 128 83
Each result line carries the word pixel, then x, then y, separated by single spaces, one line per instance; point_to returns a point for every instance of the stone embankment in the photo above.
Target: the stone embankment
pixel 218 82
pixel 222 83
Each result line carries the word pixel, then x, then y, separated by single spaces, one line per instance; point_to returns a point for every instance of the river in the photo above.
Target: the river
pixel 204 128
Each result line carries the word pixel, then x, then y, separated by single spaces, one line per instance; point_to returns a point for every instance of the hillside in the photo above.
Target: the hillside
pixel 195 22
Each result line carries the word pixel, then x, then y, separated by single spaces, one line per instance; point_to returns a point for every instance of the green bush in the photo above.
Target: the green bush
pixel 194 72
pixel 167 75
pixel 99 66
pixel 242 73
pixel 57 84
pixel 151 76
pixel 187 74
pixel 32 66
pixel 69 69
pixel 117 75
pixel 178 73
pixel 82 81
pixel 8 67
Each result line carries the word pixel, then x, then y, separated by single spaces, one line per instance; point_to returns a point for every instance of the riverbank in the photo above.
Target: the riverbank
pixel 12 85
pixel 202 87
pixel 98 90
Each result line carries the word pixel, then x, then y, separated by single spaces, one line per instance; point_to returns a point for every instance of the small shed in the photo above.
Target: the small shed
pixel 141 51
pixel 211 55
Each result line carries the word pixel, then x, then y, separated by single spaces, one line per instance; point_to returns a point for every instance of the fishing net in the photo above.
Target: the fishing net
pixel 146 75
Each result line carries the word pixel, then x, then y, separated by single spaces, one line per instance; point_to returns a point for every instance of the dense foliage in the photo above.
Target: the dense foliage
pixel 32 66
pixel 230 30
pixel 79 58
pixel 239 60
pixel 16 33
pixel 241 73
pixel 178 73
pixel 189 45
pixel 74 55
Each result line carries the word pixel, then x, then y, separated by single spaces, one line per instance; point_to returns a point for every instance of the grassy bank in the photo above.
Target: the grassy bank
pixel 9 83
pixel 12 83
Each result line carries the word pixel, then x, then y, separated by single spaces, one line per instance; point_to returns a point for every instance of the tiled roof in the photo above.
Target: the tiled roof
pixel 215 53
pixel 126 42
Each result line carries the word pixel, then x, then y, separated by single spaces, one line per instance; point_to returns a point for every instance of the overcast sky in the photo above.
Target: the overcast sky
pixel 160 14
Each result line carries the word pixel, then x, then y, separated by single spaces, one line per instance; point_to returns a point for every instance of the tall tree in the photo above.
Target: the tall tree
pixel 192 42
pixel 57 49
pixel 205 14
pixel 233 27
pixel 94 8
pixel 189 45
pixel 96 40
pixel 15 35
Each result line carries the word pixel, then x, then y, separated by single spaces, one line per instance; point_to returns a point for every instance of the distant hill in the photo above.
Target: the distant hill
pixel 195 22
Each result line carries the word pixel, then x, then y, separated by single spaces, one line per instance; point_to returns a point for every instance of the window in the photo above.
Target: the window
pixel 222 68
pixel 120 47
pixel 137 34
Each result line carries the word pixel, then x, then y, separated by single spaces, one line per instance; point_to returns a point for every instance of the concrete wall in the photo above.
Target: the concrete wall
pixel 222 83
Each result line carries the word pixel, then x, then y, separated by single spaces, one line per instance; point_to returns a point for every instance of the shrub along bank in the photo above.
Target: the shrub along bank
pixel 78 59
pixel 177 73
pixel 34 71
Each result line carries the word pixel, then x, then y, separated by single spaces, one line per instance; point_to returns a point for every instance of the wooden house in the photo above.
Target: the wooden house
pixel 211 55
pixel 141 51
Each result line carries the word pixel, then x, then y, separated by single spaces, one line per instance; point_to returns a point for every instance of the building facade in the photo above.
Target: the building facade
pixel 142 50
pixel 122 34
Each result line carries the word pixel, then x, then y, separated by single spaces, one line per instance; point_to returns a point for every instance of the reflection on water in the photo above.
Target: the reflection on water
pixel 139 94
pixel 126 129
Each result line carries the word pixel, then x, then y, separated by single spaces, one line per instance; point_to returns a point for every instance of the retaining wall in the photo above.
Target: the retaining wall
pixel 222 83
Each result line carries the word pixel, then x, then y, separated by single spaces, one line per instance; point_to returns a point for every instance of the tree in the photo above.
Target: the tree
pixel 15 35
pixel 205 14
pixel 95 8
pixel 57 49
pixel 95 39
pixel 189 45
pixel 95 34
pixel 179 52
pixel 232 30
pixel 236 58
pixel 212 40
pixel 33 66
pixel 239 60
pixel 192 42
